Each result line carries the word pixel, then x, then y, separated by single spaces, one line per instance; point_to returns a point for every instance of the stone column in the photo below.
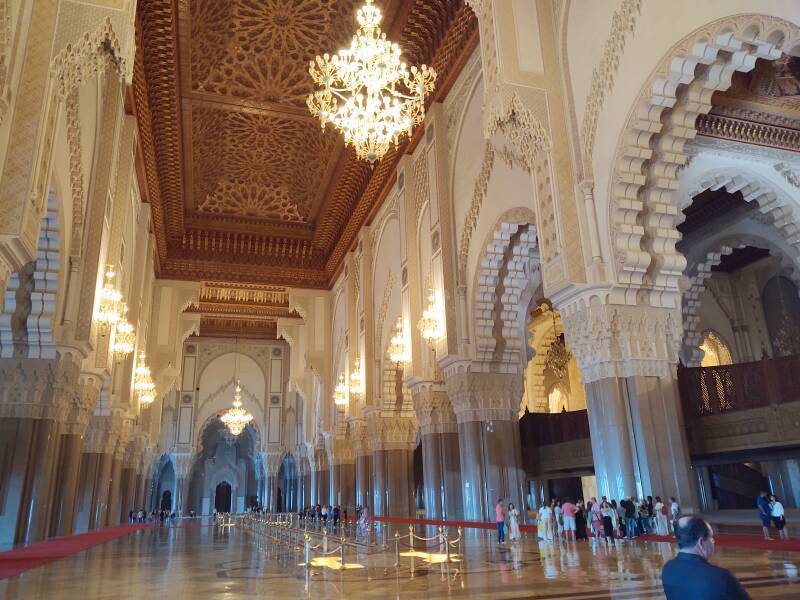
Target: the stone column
pixel 325 485
pixel 67 487
pixel 35 503
pixel 628 357
pixel 393 438
pixel 440 453
pixel 486 405
pixel 364 481
pixel 101 496
pixel 336 483
pixel 348 487
pixel 115 490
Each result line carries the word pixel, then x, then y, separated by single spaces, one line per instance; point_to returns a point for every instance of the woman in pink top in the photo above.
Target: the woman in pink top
pixel 500 517
pixel 596 517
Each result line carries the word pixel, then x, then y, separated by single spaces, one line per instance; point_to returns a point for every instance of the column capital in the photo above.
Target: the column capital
pixel 343 452
pixel 432 405
pixel 39 388
pixel 619 340
pixel 103 434
pixel 483 395
pixel 389 431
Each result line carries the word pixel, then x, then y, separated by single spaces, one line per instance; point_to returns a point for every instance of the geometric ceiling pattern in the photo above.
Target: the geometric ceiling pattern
pixel 243 183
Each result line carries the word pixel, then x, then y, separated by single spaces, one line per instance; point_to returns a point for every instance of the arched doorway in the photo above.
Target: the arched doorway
pixel 166 501
pixel 279 502
pixel 222 498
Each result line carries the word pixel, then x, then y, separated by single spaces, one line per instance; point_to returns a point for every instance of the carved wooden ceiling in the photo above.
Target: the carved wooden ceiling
pixel 761 107
pixel 244 185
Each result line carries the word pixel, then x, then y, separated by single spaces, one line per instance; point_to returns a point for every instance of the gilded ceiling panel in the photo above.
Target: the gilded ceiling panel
pixel 259 49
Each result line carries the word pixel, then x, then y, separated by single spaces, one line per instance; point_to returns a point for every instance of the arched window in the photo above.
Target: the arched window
pixel 716 351
pixel 558 399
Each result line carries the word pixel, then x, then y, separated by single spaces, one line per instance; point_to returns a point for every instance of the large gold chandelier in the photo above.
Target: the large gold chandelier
pixel 236 418
pixel 124 336
pixel 109 310
pixel 143 383
pixel 368 93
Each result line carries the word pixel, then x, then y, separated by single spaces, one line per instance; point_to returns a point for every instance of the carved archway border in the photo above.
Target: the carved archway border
pixel 651 149
pixel 508 270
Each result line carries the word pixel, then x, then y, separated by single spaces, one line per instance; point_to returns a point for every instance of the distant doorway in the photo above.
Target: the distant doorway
pixel 222 498
pixel 166 501
pixel 280 501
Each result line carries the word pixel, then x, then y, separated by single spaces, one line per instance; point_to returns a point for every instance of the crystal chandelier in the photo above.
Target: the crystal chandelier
pixel 558 357
pixel 143 383
pixel 368 93
pixel 236 418
pixel 109 310
pixel 356 379
pixel 398 349
pixel 124 336
pixel 431 325
pixel 340 392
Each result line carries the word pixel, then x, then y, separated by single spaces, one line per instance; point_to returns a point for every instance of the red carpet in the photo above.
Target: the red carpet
pixel 23 559
pixel 722 540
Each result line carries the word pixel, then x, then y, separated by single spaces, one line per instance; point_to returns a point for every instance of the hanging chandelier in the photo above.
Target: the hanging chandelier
pixel 124 336
pixel 368 93
pixel 356 379
pixel 143 383
pixel 236 418
pixel 109 309
pixel 558 357
pixel 398 349
pixel 340 392
pixel 431 325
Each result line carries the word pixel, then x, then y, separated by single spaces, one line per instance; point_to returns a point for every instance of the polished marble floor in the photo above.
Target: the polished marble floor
pixel 209 562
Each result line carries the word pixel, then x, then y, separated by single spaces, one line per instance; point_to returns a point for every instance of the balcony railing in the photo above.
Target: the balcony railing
pixel 716 390
pixel 541 429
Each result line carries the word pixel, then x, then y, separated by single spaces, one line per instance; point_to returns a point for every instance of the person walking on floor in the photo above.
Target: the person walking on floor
pixel 513 523
pixel 500 518
pixel 674 512
pixel 764 513
pixel 689 574
pixel 568 512
pixel 558 516
pixel 660 510
pixel 778 517
pixel 580 521
pixel 596 519
pixel 546 522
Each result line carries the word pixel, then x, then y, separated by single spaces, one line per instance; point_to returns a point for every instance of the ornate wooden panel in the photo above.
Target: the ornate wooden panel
pixel 245 185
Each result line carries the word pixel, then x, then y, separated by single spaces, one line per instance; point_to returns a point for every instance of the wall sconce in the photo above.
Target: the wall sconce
pixel 398 348
pixel 109 309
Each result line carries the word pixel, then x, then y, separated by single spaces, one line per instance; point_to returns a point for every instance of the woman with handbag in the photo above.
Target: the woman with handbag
pixel 513 523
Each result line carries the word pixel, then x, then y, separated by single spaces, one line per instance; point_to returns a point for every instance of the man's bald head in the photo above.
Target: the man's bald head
pixel 690 531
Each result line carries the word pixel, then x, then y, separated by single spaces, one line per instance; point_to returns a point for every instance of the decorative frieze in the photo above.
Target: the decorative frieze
pixel 614 340
pixel 483 396
pixel 433 409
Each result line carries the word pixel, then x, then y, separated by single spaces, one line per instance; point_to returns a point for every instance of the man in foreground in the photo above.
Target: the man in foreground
pixel 689 576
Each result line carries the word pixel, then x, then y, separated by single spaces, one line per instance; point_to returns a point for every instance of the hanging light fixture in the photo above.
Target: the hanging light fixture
pixel 109 309
pixel 558 357
pixel 368 93
pixel 431 325
pixel 398 349
pixel 340 392
pixel 356 379
pixel 143 383
pixel 236 418
pixel 124 336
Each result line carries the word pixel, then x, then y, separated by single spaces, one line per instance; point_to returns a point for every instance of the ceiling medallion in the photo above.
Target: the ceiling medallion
pixel 368 93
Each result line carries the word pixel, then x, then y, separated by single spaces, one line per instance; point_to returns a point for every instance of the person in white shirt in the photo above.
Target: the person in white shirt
pixel 674 513
pixel 662 524
pixel 546 522
pixel 778 517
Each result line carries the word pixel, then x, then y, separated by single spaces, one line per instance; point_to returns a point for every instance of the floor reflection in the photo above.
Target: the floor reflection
pixel 204 562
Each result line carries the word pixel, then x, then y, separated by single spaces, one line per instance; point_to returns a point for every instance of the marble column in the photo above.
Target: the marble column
pixel 86 490
pixel 31 448
pixel 379 500
pixel 442 474
pixel 399 483
pixel 486 405
pixel 102 491
pixel 364 481
pixel 67 487
pixel 115 491
pixel 610 436
pixel 127 493
pixel 325 485
pixel 336 484
pixel 628 356
pixel 348 487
